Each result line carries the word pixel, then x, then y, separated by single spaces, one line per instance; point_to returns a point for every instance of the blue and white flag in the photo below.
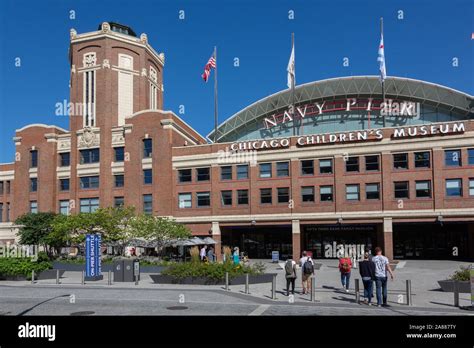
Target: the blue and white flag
pixel 381 60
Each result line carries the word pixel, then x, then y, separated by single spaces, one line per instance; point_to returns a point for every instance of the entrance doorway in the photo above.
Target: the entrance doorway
pixel 258 242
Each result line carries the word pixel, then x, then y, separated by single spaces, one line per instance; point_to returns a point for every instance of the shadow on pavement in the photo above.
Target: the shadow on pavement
pixel 39 304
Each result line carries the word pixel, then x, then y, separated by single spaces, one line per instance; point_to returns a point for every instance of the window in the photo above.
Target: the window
pixel 203 199
pixel 266 170
pixel 1 187
pixel 203 174
pixel 452 158
pixel 184 200
pixel 89 156
pixel 119 180
pixel 226 173
pixel 89 90
pixel 266 196
pixel 325 193
pixel 401 189
pixel 64 159
pixel 119 154
pixel 453 187
pixel 7 187
pixel 119 202
pixel 153 89
pixel 325 166
pixel 33 158
pixel 471 187
pixel 64 184
pixel 148 204
pixel 307 194
pixel 33 207
pixel 352 164
pixel 352 192
pixel 184 175
pixel 423 189
pixel 1 212
pixel 283 169
pixel 371 163
pixel 226 198
pixel 242 197
pixel 307 167
pixel 64 207
pixel 283 194
pixel 400 161
pixel 147 145
pixel 89 205
pixel 372 191
pixel 8 213
pixel 89 182
pixel 422 159
pixel 147 176
pixel 33 184
pixel 470 156
pixel 242 171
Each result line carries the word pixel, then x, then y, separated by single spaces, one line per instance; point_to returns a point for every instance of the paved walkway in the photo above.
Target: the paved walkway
pixel 45 297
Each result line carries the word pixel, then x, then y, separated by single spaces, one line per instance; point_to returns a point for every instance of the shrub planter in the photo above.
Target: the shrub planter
pixel 448 286
pixel 239 280
pixel 79 267
pixel 13 277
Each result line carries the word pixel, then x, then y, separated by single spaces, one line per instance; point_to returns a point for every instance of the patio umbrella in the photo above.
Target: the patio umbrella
pixel 209 240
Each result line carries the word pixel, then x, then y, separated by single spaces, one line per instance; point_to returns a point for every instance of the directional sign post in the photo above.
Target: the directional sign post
pixel 93 261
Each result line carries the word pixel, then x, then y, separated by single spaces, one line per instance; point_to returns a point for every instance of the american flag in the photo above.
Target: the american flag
pixel 211 64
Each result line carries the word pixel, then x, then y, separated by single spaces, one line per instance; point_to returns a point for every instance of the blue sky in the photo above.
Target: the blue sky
pixel 422 45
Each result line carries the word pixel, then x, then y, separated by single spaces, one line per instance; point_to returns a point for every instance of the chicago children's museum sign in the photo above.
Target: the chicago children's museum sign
pixel 354 136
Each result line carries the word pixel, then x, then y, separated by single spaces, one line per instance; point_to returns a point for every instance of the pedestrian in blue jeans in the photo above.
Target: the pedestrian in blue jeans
pixel 382 266
pixel 367 273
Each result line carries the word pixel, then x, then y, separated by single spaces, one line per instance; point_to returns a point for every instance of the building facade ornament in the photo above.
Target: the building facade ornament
pixel 89 60
pixel 88 138
pixel 106 64
pixel 73 69
pixel 144 38
pixel 105 27
pixel 143 72
pixel 72 33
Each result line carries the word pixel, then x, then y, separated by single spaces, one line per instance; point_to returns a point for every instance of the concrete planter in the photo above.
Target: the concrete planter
pixel 47 274
pixel 240 280
pixel 448 286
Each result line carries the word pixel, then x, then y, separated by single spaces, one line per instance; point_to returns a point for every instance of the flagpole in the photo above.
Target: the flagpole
pixel 383 79
pixel 293 85
pixel 215 96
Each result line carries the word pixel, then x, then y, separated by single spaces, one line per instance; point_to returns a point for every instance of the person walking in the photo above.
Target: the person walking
pixel 382 266
pixel 345 266
pixel 290 275
pixel 202 253
pixel 307 271
pixel 210 255
pixel 367 273
pixel 235 256
pixel 367 251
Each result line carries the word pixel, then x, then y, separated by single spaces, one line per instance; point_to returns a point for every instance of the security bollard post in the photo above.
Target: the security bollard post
pixel 313 289
pixel 82 278
pixel 32 277
pixel 57 276
pixel 456 293
pixel 409 299
pixel 274 281
pixel 227 281
pixel 357 293
pixel 109 278
pixel 247 290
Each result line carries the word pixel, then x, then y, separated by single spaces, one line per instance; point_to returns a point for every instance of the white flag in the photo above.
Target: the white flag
pixel 381 60
pixel 291 69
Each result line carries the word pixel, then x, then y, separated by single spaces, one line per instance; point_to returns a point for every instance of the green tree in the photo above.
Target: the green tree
pixel 35 229
pixel 158 229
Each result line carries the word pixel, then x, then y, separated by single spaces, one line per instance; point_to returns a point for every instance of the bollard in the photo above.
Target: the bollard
pixel 57 276
pixel 136 280
pixel 456 293
pixel 227 281
pixel 313 289
pixel 409 300
pixel 357 293
pixel 82 276
pixel 109 278
pixel 32 277
pixel 247 290
pixel 274 282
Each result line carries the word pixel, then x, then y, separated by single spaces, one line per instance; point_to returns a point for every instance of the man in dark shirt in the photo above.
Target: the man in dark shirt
pixel 367 272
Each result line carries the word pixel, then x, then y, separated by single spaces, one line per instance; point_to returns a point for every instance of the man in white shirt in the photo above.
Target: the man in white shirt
pixel 382 266
pixel 306 277
pixel 203 253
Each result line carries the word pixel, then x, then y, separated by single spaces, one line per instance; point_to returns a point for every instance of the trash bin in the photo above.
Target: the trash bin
pixel 131 268
pixel 118 271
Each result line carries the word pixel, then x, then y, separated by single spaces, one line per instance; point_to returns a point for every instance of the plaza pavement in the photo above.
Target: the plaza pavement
pixel 96 298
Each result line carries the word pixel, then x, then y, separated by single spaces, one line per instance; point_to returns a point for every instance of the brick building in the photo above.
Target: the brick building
pixel 345 168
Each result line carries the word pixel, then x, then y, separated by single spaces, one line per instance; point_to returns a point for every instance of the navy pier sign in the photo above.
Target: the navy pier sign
pixel 93 260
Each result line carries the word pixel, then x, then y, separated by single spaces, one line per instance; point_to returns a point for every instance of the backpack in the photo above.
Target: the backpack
pixel 308 267
pixel 289 268
pixel 345 266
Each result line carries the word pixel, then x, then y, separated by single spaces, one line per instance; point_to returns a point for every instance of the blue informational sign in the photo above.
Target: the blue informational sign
pixel 275 256
pixel 93 262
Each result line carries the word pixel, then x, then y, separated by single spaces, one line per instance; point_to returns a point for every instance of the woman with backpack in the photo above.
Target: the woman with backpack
pixel 345 265
pixel 290 274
